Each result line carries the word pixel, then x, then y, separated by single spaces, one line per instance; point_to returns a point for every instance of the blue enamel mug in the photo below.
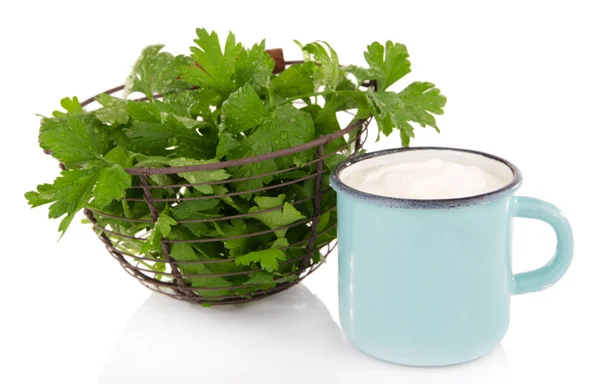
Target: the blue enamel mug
pixel 428 282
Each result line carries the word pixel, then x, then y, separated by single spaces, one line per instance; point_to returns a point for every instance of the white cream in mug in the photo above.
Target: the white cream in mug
pixel 426 179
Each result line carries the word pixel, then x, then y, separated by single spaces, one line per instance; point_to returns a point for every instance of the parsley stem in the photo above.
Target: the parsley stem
pixel 324 93
pixel 126 209
pixel 306 95
pixel 271 96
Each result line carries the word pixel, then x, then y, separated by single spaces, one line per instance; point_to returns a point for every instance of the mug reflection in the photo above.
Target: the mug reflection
pixel 289 337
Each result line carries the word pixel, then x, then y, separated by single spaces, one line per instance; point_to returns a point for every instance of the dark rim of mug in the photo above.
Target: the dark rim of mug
pixel 424 203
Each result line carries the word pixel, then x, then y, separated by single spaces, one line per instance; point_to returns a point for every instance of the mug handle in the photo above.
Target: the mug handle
pixel 549 274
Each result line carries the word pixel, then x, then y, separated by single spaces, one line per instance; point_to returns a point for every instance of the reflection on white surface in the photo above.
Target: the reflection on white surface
pixel 288 338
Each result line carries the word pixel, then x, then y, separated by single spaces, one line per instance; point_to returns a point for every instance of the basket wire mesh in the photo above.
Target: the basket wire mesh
pixel 172 280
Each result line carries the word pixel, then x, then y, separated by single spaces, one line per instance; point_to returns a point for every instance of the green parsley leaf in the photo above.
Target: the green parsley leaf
pixel 333 161
pixel 420 100
pixel 264 278
pixel 186 209
pixel 328 70
pixel 111 182
pixel 156 71
pixel 73 190
pixel 200 176
pixel 118 155
pixel 114 111
pixel 227 143
pixel 74 140
pixel 296 80
pixel 388 109
pixel 216 67
pixel 387 65
pixel 166 139
pixel 243 110
pixel 277 218
pixel 326 122
pixel 71 105
pixel 164 223
pixel 191 177
pixel 287 128
pixel 236 228
pixel 361 74
pixel 323 221
pixel 268 258
pixel 185 252
pixel 202 230
pixel 416 104
pixel 196 102
pixel 280 242
pixel 144 111
pixel 69 193
pixel 253 67
pixel 235 202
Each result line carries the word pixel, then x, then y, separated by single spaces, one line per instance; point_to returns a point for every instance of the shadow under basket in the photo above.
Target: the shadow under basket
pixel 313 242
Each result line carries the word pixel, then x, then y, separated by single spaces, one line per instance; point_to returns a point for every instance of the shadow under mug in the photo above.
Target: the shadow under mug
pixel 428 282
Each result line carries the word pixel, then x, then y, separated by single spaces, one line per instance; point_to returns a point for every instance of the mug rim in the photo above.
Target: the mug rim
pixel 397 202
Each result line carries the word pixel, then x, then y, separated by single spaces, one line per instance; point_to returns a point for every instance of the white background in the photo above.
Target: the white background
pixel 522 81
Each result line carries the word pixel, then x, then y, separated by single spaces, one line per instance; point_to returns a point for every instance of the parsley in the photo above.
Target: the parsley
pixel 222 102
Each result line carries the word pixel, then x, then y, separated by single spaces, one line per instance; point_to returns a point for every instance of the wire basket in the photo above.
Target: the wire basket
pixel 172 280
